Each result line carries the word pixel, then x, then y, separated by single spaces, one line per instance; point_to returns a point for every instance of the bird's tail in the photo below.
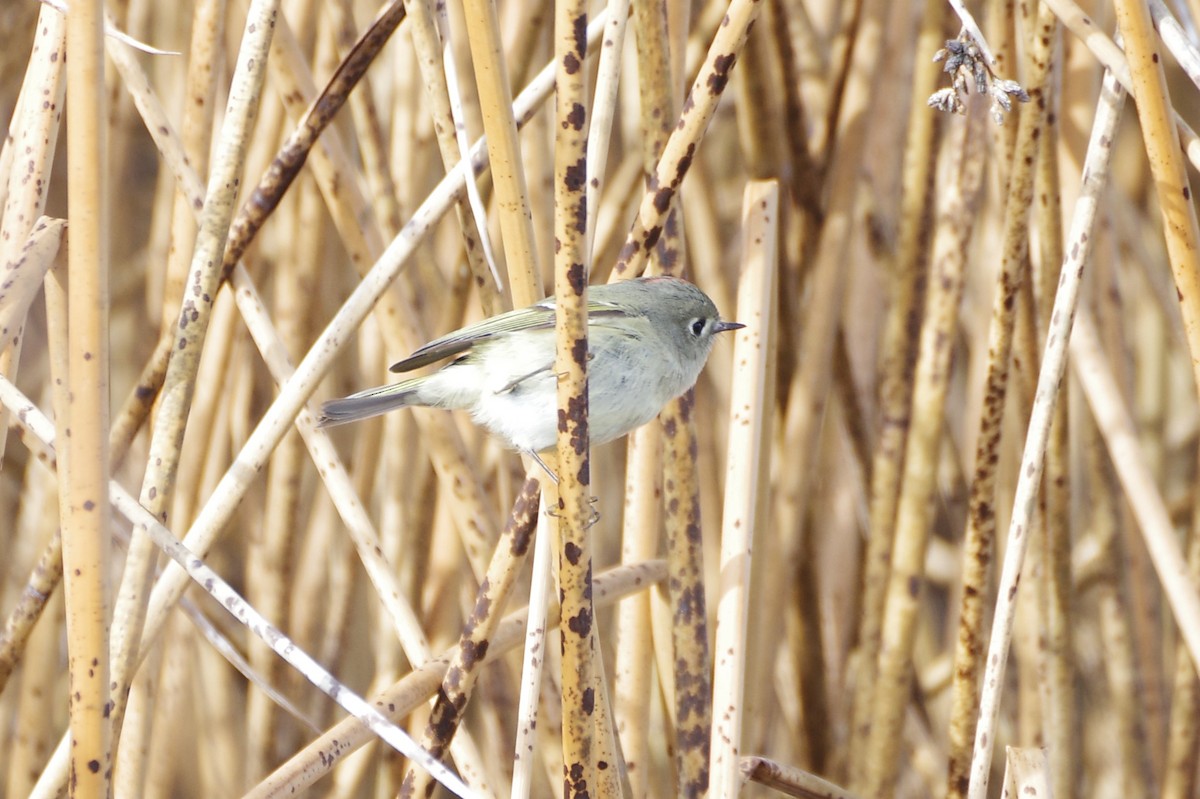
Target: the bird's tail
pixel 372 402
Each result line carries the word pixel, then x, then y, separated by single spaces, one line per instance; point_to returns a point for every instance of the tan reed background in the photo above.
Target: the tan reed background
pixel 923 528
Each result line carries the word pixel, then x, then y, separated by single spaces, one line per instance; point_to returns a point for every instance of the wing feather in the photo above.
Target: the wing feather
pixel 535 317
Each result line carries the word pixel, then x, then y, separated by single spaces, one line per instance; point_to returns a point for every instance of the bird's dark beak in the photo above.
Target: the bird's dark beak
pixel 722 326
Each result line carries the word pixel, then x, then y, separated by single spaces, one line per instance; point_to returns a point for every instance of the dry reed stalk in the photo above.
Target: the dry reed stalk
pixel 689 632
pixel 804 183
pixel 179 382
pixel 320 756
pixel 1061 729
pixel 508 172
pixel 369 127
pixel 23 277
pixel 35 598
pixel 135 758
pixel 533 661
pixel 1116 428
pixel 900 334
pixel 430 51
pixel 1137 674
pixel 612 776
pixel 1049 382
pixel 401 327
pixel 551 714
pixel 633 646
pixel 84 502
pixel 692 662
pixel 1178 214
pixel 791 781
pixel 260 443
pixel 56 297
pixel 209 417
pixel 952 230
pixel 270 553
pixel 656 86
pixel 1179 770
pixel 848 19
pixel 42 679
pixel 404 517
pixel 1002 21
pixel 1113 608
pixel 1026 773
pixel 581 692
pixel 494 593
pixel 759 122
pixel 749 431
pixel 295 150
pixel 1155 114
pixel 604 106
pixel 33 132
pixel 195 131
pixel 1176 40
pixel 345 499
pixel 39 436
pixel 679 150
pixel 1112 58
pixel 808 392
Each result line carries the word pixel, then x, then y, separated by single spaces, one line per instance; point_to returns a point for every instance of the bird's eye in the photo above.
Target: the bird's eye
pixel 697 327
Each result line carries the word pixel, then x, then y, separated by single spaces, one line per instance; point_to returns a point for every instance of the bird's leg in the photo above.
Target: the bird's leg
pixel 549 472
pixel 593 501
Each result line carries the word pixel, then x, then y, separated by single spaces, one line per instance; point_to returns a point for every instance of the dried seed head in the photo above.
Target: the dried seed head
pixel 965 63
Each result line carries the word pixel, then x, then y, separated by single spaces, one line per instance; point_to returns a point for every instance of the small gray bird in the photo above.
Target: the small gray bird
pixel 648 339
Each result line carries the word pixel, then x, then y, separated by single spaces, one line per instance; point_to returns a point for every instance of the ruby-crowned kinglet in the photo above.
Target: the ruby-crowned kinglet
pixel 648 339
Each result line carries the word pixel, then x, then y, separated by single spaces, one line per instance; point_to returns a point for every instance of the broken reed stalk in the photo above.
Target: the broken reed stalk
pixel 745 484
pixel 84 503
pixel 789 780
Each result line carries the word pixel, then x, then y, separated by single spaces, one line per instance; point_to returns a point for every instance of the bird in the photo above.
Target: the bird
pixel 648 339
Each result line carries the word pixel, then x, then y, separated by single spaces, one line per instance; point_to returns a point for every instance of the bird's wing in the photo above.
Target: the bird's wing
pixel 535 317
